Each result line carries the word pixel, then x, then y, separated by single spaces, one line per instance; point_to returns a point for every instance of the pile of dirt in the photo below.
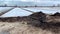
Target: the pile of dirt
pixel 56 14
pixel 40 17
pixel 54 18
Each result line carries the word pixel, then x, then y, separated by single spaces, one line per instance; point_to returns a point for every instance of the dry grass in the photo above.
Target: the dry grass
pixel 19 28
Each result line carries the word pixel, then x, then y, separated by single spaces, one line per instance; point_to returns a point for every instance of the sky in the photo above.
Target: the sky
pixel 30 2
